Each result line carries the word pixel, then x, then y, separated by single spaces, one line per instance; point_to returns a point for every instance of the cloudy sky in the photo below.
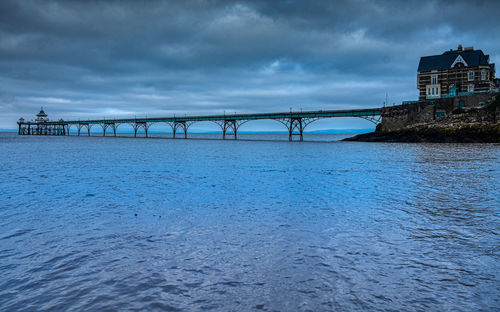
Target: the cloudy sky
pixel 87 59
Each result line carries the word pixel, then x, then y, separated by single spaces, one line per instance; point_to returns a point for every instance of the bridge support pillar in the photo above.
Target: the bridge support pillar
pixel 235 129
pixel 295 124
pixel 105 127
pixel 231 125
pixel 80 126
pixel 143 125
pixel 179 124
pixel 301 130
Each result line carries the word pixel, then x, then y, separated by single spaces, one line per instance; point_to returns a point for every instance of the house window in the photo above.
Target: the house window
pixel 434 79
pixel 471 88
pixel 471 75
pixel 483 75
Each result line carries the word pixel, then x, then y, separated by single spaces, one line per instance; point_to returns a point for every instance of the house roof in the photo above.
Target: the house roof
pixel 445 60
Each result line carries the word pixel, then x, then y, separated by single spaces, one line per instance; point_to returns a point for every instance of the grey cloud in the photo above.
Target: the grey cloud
pixel 86 58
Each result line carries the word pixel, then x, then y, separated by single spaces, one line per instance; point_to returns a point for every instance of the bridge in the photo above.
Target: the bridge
pixel 295 122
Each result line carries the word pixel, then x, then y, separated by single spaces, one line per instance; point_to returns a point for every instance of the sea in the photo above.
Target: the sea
pixel 254 224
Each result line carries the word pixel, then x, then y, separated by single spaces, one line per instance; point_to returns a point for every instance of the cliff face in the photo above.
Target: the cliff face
pixel 470 118
pixel 467 133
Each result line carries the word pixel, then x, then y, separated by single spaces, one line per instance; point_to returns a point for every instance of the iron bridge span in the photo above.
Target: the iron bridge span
pixel 295 122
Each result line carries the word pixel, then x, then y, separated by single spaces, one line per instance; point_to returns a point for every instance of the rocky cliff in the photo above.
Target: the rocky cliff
pixel 473 118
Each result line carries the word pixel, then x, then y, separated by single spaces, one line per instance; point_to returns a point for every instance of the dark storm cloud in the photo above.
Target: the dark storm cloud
pixel 113 58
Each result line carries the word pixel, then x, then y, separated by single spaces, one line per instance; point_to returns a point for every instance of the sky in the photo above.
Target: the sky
pixel 94 59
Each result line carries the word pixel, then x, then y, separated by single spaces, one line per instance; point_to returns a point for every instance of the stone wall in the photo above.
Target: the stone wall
pixel 432 111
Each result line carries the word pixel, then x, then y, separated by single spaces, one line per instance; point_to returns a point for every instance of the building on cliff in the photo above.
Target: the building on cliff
pixel 455 71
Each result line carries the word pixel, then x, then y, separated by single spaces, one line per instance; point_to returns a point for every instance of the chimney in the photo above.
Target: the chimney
pixel 459 48
pixel 469 49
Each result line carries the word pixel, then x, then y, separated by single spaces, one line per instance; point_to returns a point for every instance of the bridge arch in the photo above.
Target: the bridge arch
pixel 87 126
pixel 230 127
pixel 69 126
pixel 109 125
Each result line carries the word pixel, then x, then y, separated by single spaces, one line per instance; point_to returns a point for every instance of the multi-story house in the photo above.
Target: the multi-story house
pixel 454 71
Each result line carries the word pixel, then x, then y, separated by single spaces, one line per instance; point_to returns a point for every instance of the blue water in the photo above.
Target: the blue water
pixel 256 224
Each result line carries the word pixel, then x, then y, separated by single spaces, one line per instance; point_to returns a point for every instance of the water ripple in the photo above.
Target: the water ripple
pixel 176 225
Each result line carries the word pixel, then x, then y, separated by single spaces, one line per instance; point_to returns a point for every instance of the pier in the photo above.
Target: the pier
pixel 295 122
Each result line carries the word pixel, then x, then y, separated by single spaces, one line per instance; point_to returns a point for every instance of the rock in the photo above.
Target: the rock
pixel 470 125
pixel 464 133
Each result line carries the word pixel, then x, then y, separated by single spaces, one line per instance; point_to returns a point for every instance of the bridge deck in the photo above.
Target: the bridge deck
pixel 283 115
pixel 294 121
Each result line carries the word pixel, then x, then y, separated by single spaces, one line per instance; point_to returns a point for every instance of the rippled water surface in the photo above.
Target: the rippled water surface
pixel 257 224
